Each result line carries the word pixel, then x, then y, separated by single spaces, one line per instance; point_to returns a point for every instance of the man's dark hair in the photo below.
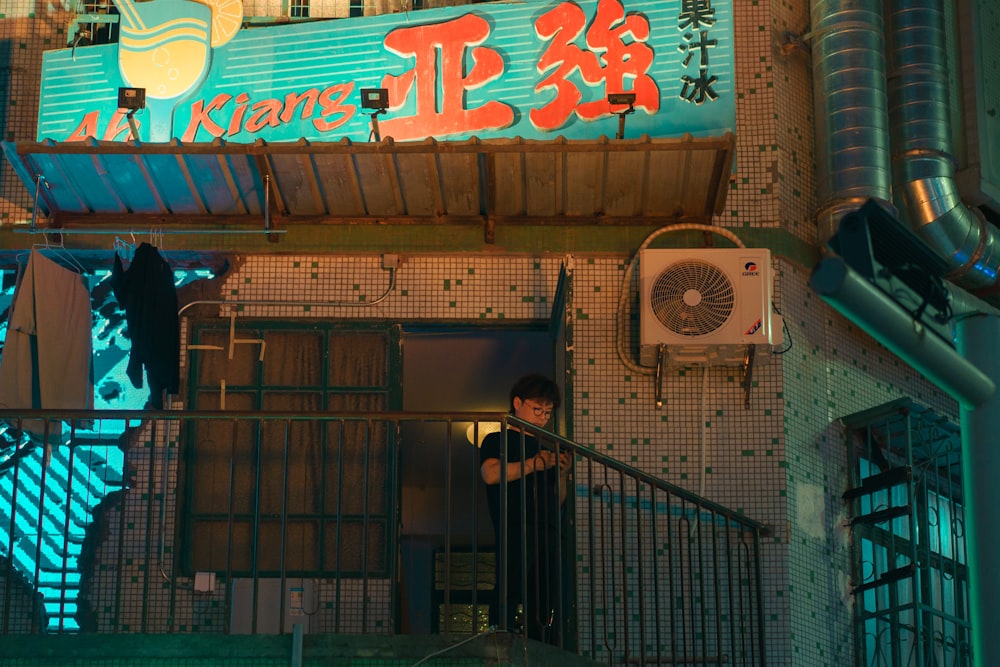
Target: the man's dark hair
pixel 535 387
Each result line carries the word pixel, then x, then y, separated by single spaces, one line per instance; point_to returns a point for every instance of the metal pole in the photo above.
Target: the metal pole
pixel 977 340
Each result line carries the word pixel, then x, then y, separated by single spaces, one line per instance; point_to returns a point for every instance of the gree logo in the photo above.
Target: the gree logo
pixel 750 268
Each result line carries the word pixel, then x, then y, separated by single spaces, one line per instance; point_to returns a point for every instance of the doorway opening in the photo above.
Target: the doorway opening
pixel 446 529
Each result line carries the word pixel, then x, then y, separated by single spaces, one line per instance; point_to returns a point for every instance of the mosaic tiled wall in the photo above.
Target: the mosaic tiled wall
pixel 781 460
pixel 23 37
pixel 791 66
pixel 128 585
pixel 833 371
pixel 753 196
pixel 704 438
pixel 121 574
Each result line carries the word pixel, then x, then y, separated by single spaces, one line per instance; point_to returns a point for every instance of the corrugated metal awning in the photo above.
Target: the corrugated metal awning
pixel 497 181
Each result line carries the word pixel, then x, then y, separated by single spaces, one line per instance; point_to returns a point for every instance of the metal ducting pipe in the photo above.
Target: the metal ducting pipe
pixel 922 164
pixel 852 122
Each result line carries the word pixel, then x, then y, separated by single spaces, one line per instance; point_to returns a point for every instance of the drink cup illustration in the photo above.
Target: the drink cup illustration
pixel 165 47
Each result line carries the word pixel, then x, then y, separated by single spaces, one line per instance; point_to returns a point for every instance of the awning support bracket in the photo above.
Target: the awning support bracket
pixel 267 210
pixel 39 179
pixel 489 230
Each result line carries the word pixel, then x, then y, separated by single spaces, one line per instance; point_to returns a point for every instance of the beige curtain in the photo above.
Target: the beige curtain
pixel 320 477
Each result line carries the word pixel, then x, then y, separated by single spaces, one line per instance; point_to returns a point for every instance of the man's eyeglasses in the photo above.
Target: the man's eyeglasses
pixel 541 412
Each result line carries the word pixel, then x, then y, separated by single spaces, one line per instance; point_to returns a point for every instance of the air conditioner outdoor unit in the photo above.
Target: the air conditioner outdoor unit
pixel 706 305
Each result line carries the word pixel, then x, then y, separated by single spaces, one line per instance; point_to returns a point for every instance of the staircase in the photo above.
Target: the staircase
pixel 44 513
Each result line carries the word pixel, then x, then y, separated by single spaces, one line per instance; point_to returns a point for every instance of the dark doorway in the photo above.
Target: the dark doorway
pixel 449 370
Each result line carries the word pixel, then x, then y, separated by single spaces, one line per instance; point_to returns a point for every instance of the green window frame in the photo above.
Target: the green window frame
pixel 312 496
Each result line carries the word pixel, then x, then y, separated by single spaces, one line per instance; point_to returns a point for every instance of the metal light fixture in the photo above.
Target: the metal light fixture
pixel 376 99
pixel 618 100
pixel 132 99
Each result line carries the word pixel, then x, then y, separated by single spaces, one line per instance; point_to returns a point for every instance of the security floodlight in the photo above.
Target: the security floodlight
pixel 375 98
pixel 132 99
pixel 621 99
pixel 618 99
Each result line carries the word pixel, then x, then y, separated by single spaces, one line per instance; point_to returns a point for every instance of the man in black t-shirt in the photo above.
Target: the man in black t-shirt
pixel 533 474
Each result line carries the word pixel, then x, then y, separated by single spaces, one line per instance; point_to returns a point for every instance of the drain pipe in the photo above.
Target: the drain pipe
pixel 924 184
pixel 977 340
pixel 885 320
pixel 851 110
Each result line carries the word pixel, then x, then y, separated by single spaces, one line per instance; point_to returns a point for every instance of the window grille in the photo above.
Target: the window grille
pixel 910 576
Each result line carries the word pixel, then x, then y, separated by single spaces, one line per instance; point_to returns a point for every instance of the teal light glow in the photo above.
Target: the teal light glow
pixel 47 555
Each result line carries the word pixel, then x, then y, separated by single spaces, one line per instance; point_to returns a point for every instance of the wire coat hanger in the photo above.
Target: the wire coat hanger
pixel 60 251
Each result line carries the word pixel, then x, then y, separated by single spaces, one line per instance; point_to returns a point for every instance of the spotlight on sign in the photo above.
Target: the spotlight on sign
pixel 376 99
pixel 132 99
pixel 620 100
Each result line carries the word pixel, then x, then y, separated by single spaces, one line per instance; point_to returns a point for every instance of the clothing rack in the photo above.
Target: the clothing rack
pixel 159 232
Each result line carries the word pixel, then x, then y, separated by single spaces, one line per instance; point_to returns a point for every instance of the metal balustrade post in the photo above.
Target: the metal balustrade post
pixel 282 565
pixel 66 524
pixel 339 533
pixel 9 574
pixel 40 526
pixel 255 539
pixel 365 525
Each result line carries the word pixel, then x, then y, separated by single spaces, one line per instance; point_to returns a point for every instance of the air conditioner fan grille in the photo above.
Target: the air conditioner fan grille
pixel 692 298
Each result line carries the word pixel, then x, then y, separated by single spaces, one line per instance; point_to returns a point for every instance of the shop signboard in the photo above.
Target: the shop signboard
pixel 535 70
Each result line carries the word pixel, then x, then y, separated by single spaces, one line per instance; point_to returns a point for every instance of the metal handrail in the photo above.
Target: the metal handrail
pixel 635 473
pixel 70 416
pixel 632 530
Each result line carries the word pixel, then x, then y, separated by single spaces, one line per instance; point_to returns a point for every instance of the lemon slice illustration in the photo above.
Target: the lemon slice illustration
pixel 227 17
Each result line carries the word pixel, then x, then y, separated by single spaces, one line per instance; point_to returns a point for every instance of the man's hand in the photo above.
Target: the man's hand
pixel 544 460
pixel 565 463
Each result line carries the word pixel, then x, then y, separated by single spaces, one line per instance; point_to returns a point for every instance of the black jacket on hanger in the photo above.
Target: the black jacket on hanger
pixel 146 291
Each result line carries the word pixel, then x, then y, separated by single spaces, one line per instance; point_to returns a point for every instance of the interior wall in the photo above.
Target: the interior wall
pixel 460 370
pixel 452 369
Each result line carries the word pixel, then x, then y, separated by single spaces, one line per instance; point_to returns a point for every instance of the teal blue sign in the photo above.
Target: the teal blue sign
pixel 536 70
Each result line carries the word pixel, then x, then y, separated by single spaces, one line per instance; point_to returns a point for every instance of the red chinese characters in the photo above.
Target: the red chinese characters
pixel 616 53
pixel 439 83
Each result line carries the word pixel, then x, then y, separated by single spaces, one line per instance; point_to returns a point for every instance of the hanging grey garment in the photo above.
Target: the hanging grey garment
pixel 48 352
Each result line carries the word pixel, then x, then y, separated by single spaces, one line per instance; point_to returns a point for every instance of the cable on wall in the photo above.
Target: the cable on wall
pixel 389 263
